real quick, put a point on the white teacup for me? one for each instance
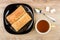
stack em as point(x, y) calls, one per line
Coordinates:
point(42, 29)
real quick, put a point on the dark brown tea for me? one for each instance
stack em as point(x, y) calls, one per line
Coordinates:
point(43, 26)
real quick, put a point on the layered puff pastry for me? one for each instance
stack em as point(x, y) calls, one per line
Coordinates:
point(14, 16)
point(21, 22)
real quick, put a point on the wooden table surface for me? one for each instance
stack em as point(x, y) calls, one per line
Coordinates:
point(54, 34)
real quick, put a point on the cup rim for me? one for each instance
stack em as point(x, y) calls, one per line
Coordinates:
point(47, 30)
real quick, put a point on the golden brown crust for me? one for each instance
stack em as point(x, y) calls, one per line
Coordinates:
point(21, 22)
point(15, 15)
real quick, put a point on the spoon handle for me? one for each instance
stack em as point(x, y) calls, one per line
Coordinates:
point(50, 18)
